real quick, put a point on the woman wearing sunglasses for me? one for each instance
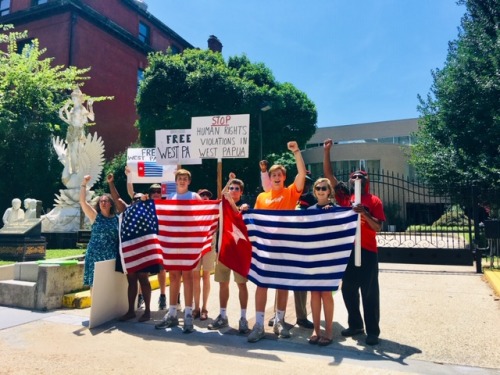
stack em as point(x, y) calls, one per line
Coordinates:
point(323, 192)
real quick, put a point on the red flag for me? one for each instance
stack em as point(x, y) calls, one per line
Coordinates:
point(236, 249)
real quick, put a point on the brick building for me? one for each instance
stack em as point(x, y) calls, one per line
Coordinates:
point(113, 37)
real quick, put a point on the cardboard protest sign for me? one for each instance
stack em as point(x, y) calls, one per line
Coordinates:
point(173, 147)
point(220, 137)
point(145, 170)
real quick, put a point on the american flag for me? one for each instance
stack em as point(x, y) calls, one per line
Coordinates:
point(186, 228)
point(149, 169)
point(301, 249)
point(140, 246)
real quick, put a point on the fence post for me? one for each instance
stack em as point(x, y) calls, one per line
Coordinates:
point(475, 214)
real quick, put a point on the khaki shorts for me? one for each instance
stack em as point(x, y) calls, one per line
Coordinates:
point(207, 261)
point(223, 274)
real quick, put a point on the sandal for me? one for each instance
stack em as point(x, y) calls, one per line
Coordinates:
point(204, 315)
point(313, 340)
point(145, 317)
point(196, 313)
point(324, 341)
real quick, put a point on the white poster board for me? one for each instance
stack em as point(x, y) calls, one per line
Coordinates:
point(173, 147)
point(145, 170)
point(220, 137)
point(109, 294)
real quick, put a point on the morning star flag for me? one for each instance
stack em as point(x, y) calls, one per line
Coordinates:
point(149, 169)
point(186, 228)
point(139, 244)
point(301, 249)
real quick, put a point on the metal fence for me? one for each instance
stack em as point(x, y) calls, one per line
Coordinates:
point(419, 217)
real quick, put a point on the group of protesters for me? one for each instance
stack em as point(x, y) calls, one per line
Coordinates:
point(303, 193)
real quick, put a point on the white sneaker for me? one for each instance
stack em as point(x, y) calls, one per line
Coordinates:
point(280, 329)
point(243, 325)
point(188, 324)
point(257, 333)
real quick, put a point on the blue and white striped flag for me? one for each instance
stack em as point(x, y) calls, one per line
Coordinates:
point(302, 249)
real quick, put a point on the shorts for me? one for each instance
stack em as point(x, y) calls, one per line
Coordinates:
point(223, 274)
point(207, 261)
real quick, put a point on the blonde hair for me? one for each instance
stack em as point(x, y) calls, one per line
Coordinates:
point(276, 167)
point(328, 185)
point(182, 172)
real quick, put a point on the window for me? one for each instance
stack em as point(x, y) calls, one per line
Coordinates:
point(140, 77)
point(26, 43)
point(4, 7)
point(39, 2)
point(143, 32)
point(343, 168)
point(174, 49)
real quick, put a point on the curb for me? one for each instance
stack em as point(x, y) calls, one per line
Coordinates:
point(493, 278)
point(83, 300)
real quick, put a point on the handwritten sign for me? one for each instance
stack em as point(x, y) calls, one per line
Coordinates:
point(220, 137)
point(173, 147)
point(144, 169)
point(141, 154)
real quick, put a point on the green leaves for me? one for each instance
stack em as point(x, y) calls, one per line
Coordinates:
point(200, 83)
point(31, 93)
point(460, 125)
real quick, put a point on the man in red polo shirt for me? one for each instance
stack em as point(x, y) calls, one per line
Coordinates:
point(365, 277)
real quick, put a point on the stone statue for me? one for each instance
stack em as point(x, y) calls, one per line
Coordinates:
point(75, 115)
point(80, 155)
point(13, 215)
point(30, 207)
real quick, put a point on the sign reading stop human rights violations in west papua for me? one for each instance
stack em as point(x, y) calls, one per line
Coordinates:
point(220, 137)
point(173, 146)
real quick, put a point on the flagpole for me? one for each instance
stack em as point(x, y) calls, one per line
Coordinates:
point(357, 240)
point(219, 178)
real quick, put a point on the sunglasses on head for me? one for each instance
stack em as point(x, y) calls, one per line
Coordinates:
point(234, 188)
point(322, 188)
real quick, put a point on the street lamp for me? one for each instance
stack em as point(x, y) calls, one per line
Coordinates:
point(265, 106)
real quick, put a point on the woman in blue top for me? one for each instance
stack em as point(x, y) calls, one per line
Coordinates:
point(103, 244)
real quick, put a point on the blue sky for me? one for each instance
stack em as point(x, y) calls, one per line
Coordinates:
point(357, 60)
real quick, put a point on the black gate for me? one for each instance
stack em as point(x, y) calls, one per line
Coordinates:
point(424, 226)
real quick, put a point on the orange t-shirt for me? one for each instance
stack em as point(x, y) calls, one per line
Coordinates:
point(284, 199)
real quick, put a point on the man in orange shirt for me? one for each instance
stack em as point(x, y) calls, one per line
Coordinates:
point(278, 198)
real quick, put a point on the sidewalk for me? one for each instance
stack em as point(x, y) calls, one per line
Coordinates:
point(434, 320)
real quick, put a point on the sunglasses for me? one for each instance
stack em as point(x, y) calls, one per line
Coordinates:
point(236, 188)
point(322, 188)
point(205, 195)
point(136, 199)
point(155, 191)
point(358, 177)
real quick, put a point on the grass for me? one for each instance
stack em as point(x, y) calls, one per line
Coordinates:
point(52, 254)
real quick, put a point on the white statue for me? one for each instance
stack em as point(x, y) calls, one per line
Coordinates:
point(80, 155)
point(75, 115)
point(30, 207)
point(13, 215)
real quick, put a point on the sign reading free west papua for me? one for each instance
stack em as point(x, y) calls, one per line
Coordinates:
point(220, 137)
point(144, 168)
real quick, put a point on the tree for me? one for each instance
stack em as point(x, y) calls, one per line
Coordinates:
point(459, 129)
point(200, 83)
point(31, 93)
